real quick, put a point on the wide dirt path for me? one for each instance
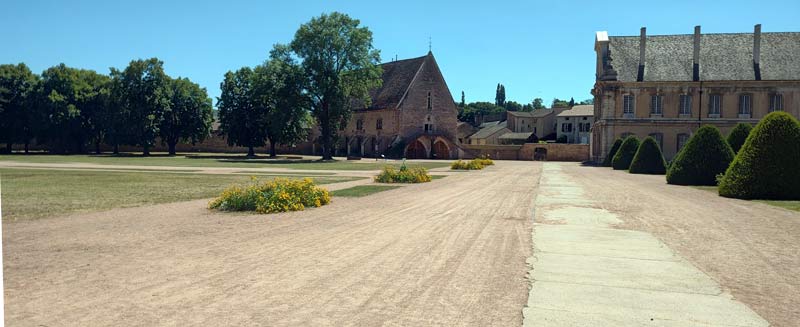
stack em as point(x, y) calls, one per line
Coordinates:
point(751, 249)
point(449, 252)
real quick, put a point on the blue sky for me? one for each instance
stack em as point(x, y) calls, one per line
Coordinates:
point(535, 48)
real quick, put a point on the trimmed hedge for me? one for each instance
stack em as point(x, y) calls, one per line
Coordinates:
point(278, 195)
point(648, 159)
point(474, 164)
point(768, 164)
point(705, 156)
point(610, 156)
point(738, 135)
point(624, 156)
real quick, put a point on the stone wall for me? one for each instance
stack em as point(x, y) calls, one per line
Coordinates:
point(556, 151)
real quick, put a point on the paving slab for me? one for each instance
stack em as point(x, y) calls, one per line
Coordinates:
point(582, 216)
point(603, 242)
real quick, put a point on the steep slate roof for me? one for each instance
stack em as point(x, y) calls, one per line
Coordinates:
point(723, 57)
point(578, 111)
point(489, 131)
point(397, 77)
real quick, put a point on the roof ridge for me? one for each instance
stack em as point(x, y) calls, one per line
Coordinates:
point(401, 60)
point(702, 34)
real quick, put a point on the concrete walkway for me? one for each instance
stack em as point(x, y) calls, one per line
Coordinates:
point(584, 272)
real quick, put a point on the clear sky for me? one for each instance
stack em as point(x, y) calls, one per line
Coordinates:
point(535, 48)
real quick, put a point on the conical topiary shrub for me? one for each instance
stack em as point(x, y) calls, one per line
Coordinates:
point(768, 164)
point(738, 135)
point(610, 156)
point(648, 159)
point(705, 156)
point(624, 156)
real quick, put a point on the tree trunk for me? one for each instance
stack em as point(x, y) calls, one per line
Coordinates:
point(9, 146)
point(146, 150)
point(97, 147)
point(250, 152)
point(325, 123)
point(272, 153)
point(116, 148)
point(172, 147)
point(27, 143)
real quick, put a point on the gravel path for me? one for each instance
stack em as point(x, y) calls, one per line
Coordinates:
point(450, 252)
point(751, 249)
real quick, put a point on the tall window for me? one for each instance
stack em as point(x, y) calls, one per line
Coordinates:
point(627, 104)
point(775, 102)
point(686, 104)
point(659, 139)
point(430, 105)
point(745, 104)
point(714, 104)
point(566, 127)
point(682, 139)
point(359, 124)
point(656, 102)
point(379, 124)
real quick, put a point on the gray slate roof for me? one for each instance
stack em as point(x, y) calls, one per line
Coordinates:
point(578, 111)
point(722, 57)
point(489, 131)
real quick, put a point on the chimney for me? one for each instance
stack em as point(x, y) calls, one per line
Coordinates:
point(757, 51)
point(696, 55)
point(642, 47)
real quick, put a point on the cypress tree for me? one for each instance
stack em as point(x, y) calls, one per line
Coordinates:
point(705, 156)
point(610, 156)
point(624, 156)
point(738, 135)
point(648, 159)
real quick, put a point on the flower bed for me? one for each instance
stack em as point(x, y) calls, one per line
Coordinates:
point(278, 195)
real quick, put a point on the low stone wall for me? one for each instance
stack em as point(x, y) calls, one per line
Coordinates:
point(555, 152)
point(500, 152)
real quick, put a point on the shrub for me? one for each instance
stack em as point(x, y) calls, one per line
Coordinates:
point(485, 160)
point(738, 135)
point(624, 156)
point(648, 159)
point(705, 156)
point(403, 175)
point(474, 164)
point(561, 139)
point(610, 156)
point(768, 163)
point(278, 195)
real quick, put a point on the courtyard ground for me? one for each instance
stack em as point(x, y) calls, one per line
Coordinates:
point(449, 252)
point(698, 254)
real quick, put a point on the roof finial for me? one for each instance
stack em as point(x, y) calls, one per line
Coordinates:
point(429, 44)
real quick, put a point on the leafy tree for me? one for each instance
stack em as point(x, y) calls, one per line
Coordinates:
point(97, 109)
point(469, 112)
point(341, 66)
point(558, 103)
point(240, 120)
point(571, 102)
point(538, 103)
point(587, 101)
point(612, 152)
point(512, 106)
point(462, 104)
point(279, 93)
point(767, 164)
point(648, 159)
point(188, 117)
point(738, 135)
point(624, 156)
point(500, 95)
point(145, 94)
point(19, 114)
point(702, 158)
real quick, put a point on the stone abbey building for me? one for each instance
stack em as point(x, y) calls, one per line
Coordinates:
point(412, 115)
point(667, 86)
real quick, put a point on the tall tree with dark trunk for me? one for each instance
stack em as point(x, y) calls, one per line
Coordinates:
point(189, 116)
point(279, 93)
point(145, 94)
point(341, 66)
point(19, 114)
point(97, 109)
point(241, 121)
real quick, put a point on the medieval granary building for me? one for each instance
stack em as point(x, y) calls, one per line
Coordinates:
point(412, 115)
point(667, 86)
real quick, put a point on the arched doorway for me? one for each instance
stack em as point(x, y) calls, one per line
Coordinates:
point(416, 150)
point(540, 154)
point(440, 150)
point(369, 147)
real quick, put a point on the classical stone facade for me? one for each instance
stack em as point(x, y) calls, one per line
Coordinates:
point(412, 115)
point(667, 86)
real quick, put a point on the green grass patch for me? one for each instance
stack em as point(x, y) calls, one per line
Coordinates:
point(37, 193)
point(786, 204)
point(363, 190)
point(235, 161)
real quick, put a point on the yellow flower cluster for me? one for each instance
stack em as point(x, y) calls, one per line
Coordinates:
point(474, 164)
point(404, 175)
point(278, 195)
